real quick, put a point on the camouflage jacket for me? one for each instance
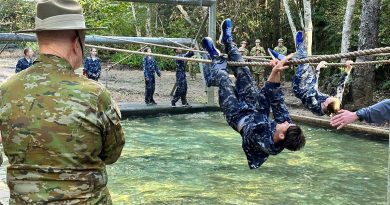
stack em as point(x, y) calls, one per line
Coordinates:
point(282, 50)
point(59, 131)
point(261, 49)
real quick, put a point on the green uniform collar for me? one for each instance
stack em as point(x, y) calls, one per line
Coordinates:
point(57, 62)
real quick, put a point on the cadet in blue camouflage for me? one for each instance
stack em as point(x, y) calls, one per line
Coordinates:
point(92, 67)
point(247, 107)
point(305, 84)
point(26, 61)
point(150, 68)
point(181, 80)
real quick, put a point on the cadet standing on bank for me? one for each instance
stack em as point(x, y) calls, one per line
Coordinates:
point(281, 48)
point(59, 129)
point(150, 68)
point(181, 79)
point(26, 61)
point(193, 68)
point(258, 47)
point(92, 67)
point(243, 48)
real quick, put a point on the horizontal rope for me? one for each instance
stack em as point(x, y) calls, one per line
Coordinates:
point(267, 64)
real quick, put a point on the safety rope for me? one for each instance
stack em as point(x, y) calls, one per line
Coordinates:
point(312, 60)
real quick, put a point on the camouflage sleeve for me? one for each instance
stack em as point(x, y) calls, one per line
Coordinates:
point(112, 136)
point(341, 85)
point(276, 97)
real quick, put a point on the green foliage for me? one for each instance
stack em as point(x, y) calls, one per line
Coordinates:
point(386, 85)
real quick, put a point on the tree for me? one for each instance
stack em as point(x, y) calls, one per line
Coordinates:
point(346, 34)
point(308, 26)
point(363, 83)
point(289, 17)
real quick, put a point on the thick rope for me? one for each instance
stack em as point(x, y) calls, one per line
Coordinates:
point(339, 56)
point(291, 62)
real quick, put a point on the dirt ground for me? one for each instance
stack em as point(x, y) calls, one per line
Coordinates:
point(128, 86)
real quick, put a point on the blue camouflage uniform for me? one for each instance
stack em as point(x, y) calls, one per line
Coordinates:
point(305, 87)
point(150, 68)
point(92, 68)
point(23, 64)
point(247, 109)
point(181, 80)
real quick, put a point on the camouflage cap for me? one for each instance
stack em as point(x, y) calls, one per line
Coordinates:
point(58, 15)
point(280, 40)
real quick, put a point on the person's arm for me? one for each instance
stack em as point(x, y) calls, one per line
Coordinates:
point(112, 134)
point(18, 66)
point(343, 80)
point(144, 65)
point(322, 64)
point(378, 113)
point(189, 54)
point(99, 69)
point(157, 68)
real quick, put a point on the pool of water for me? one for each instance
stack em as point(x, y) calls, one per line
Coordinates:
point(197, 159)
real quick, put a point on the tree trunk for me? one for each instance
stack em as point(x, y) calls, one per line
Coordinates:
point(138, 31)
point(346, 35)
point(276, 21)
point(363, 83)
point(308, 26)
point(148, 25)
point(289, 17)
point(185, 14)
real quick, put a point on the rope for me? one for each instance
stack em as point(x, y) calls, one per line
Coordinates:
point(268, 64)
point(1, 51)
point(340, 55)
point(120, 61)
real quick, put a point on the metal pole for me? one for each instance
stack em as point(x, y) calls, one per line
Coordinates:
point(212, 35)
point(93, 39)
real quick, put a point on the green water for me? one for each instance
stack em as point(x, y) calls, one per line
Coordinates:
point(197, 159)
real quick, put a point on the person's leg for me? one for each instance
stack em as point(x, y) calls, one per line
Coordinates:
point(302, 80)
point(246, 87)
point(152, 89)
point(184, 95)
point(147, 92)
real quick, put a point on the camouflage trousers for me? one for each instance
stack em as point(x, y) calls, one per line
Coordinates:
point(247, 107)
point(149, 90)
point(181, 92)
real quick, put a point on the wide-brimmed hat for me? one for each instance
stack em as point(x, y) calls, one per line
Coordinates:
point(257, 41)
point(280, 40)
point(58, 15)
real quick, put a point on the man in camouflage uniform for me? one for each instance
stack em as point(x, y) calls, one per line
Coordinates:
point(193, 68)
point(150, 68)
point(181, 80)
point(257, 47)
point(243, 48)
point(247, 108)
point(59, 128)
point(258, 71)
point(281, 48)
